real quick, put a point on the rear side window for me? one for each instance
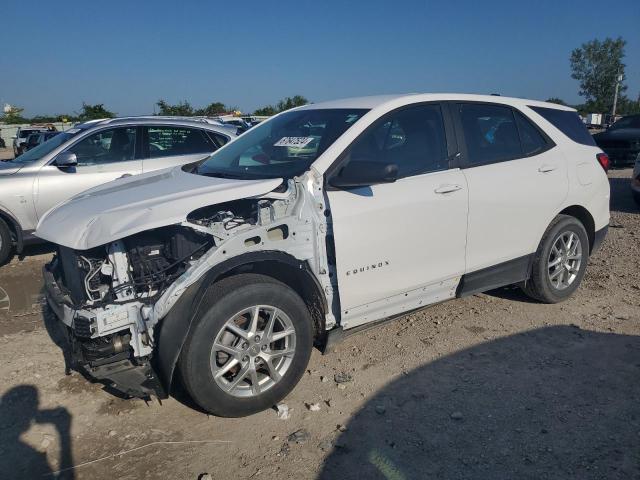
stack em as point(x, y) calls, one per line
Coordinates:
point(170, 141)
point(530, 137)
point(490, 133)
point(568, 123)
point(219, 139)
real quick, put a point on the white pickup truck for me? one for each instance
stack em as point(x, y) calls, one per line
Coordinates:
point(318, 221)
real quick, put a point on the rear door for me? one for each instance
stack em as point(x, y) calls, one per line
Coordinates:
point(400, 245)
point(102, 156)
point(167, 146)
point(517, 180)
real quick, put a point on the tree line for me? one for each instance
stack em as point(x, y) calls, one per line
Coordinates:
point(180, 109)
point(596, 65)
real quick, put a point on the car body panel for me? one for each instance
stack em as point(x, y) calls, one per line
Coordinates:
point(31, 189)
point(386, 234)
point(134, 204)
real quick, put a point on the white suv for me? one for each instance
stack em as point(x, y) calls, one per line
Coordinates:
point(320, 220)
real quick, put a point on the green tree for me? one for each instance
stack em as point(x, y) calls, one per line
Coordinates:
point(288, 103)
point(556, 100)
point(284, 104)
point(13, 115)
point(266, 111)
point(211, 110)
point(596, 64)
point(182, 109)
point(94, 112)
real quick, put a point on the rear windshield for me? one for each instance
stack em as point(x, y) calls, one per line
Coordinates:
point(25, 133)
point(568, 123)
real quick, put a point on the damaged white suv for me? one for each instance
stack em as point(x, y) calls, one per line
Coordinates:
point(323, 219)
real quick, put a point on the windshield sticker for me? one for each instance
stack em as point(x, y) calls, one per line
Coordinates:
point(298, 142)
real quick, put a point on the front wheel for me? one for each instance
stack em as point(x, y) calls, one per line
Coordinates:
point(248, 347)
point(560, 262)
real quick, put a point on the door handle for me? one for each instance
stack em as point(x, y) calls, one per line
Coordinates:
point(546, 168)
point(125, 175)
point(447, 188)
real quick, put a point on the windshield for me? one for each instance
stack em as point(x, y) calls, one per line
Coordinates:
point(627, 122)
point(282, 147)
point(41, 150)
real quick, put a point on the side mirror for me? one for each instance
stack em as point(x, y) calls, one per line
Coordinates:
point(66, 160)
point(364, 174)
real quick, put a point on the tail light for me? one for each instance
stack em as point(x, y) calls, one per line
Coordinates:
point(603, 160)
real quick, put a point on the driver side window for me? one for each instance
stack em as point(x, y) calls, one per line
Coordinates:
point(412, 138)
point(106, 146)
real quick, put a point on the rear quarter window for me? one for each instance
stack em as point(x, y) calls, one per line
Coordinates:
point(568, 123)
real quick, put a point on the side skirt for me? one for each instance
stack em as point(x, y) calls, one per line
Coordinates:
point(507, 273)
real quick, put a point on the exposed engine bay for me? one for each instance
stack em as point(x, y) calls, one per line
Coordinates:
point(112, 297)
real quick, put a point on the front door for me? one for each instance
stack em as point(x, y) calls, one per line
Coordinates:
point(400, 245)
point(102, 157)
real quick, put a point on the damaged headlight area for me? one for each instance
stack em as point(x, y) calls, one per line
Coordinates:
point(106, 296)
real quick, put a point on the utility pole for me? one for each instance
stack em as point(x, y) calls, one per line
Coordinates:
point(615, 96)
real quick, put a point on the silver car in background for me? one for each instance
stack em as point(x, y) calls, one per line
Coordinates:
point(91, 154)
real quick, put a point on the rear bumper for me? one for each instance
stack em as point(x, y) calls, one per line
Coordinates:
point(118, 370)
point(598, 239)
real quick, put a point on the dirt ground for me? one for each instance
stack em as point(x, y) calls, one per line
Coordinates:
point(493, 386)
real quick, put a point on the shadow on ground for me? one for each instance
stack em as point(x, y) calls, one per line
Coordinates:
point(554, 403)
point(19, 411)
point(621, 197)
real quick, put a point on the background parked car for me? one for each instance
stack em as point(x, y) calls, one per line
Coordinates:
point(622, 141)
point(20, 140)
point(635, 182)
point(36, 139)
point(91, 154)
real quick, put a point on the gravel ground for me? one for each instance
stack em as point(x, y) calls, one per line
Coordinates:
point(490, 387)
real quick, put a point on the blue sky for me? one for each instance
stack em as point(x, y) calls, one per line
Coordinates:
point(128, 54)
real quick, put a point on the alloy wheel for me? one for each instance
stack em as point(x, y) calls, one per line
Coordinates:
point(253, 351)
point(565, 259)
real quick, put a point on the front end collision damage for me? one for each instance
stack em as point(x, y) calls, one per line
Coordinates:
point(128, 305)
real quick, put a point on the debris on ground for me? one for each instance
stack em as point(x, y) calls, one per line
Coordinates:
point(282, 409)
point(342, 377)
point(299, 437)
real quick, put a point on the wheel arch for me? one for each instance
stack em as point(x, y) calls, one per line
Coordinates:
point(173, 329)
point(583, 216)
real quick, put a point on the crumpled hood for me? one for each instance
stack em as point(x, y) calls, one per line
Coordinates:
point(130, 205)
point(8, 168)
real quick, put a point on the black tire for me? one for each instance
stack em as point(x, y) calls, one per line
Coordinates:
point(539, 286)
point(224, 300)
point(636, 197)
point(6, 242)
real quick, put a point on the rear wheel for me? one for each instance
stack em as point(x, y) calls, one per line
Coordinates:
point(248, 347)
point(6, 243)
point(636, 197)
point(560, 262)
